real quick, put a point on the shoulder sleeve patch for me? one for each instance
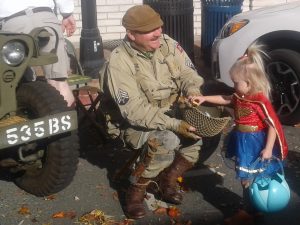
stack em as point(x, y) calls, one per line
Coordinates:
point(178, 46)
point(189, 63)
point(122, 97)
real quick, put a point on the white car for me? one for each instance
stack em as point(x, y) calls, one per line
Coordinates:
point(278, 28)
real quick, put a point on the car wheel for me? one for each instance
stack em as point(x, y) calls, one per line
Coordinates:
point(283, 68)
point(57, 164)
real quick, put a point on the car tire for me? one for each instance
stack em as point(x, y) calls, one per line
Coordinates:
point(283, 68)
point(58, 164)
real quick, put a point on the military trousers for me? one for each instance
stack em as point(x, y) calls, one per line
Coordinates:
point(160, 147)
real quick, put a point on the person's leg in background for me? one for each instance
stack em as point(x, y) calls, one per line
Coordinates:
point(64, 89)
point(57, 73)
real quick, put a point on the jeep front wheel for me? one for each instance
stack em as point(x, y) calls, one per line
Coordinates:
point(56, 167)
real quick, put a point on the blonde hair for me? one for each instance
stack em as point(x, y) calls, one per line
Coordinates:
point(251, 68)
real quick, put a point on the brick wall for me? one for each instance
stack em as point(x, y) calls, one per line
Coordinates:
point(110, 13)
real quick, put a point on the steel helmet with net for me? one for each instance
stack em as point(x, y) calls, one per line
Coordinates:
point(208, 120)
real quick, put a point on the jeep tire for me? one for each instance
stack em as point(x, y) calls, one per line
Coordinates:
point(59, 162)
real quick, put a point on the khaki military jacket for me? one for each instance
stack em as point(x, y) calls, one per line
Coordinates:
point(139, 85)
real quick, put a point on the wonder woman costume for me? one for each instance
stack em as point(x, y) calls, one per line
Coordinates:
point(253, 115)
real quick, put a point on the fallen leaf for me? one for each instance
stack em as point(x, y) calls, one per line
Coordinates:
point(179, 179)
point(116, 196)
point(96, 217)
point(161, 211)
point(221, 174)
point(24, 210)
point(173, 212)
point(152, 203)
point(62, 214)
point(70, 214)
point(50, 197)
point(58, 215)
point(21, 222)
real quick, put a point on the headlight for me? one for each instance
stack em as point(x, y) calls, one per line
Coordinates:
point(232, 27)
point(13, 53)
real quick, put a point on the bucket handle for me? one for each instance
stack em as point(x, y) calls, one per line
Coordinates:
point(272, 158)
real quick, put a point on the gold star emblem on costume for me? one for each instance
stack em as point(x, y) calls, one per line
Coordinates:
point(241, 112)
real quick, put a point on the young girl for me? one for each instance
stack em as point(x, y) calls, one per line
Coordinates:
point(258, 132)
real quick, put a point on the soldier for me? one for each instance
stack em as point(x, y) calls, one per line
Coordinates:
point(144, 77)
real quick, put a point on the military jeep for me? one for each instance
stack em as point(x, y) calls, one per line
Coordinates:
point(38, 140)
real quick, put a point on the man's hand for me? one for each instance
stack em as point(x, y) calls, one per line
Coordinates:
point(186, 130)
point(69, 25)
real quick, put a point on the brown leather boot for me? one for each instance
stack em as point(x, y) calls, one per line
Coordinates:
point(135, 194)
point(168, 179)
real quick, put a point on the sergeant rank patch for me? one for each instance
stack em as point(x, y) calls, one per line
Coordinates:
point(122, 97)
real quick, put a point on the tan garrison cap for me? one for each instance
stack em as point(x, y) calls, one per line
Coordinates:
point(141, 18)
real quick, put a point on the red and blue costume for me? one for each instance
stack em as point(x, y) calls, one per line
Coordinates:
point(253, 115)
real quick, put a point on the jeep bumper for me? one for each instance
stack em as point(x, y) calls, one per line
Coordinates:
point(31, 130)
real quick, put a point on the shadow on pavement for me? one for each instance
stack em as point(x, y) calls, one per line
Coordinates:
point(292, 172)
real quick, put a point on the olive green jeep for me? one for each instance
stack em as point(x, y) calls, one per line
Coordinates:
point(38, 132)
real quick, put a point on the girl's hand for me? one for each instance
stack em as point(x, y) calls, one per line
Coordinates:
point(196, 100)
point(266, 154)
